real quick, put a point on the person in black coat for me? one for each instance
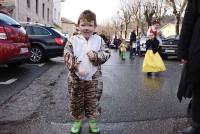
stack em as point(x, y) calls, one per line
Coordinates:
point(132, 44)
point(189, 53)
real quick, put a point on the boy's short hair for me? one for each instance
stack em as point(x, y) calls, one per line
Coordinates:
point(89, 16)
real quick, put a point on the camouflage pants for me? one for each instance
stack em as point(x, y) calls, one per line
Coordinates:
point(99, 82)
point(83, 98)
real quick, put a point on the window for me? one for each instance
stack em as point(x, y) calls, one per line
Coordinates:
point(28, 3)
point(28, 30)
point(40, 31)
point(28, 19)
point(47, 14)
point(55, 14)
point(59, 16)
point(43, 6)
point(36, 8)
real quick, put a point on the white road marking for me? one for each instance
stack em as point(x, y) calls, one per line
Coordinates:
point(42, 64)
point(58, 59)
point(8, 82)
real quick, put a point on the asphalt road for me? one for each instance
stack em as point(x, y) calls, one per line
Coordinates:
point(13, 80)
point(131, 101)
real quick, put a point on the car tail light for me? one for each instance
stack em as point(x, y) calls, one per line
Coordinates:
point(59, 41)
point(2, 33)
point(16, 34)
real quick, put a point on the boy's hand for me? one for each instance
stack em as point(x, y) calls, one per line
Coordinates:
point(68, 60)
point(82, 72)
point(91, 54)
point(71, 61)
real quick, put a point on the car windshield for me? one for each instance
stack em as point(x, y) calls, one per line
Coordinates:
point(8, 20)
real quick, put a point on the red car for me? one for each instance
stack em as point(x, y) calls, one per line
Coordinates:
point(14, 45)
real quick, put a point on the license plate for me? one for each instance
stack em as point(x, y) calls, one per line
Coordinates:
point(170, 51)
point(23, 50)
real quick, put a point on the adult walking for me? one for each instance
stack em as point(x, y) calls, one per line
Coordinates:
point(132, 43)
point(116, 41)
point(189, 46)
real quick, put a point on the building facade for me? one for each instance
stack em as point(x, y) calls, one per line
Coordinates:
point(34, 11)
point(57, 12)
point(169, 29)
point(68, 27)
point(42, 11)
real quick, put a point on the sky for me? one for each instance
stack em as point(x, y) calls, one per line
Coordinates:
point(104, 9)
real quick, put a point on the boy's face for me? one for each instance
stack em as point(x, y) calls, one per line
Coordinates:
point(86, 28)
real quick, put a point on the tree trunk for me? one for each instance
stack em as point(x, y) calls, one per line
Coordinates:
point(177, 23)
point(137, 28)
point(126, 28)
point(143, 28)
point(149, 23)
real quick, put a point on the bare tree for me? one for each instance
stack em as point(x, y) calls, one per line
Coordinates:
point(136, 12)
point(161, 9)
point(106, 29)
point(125, 15)
point(178, 7)
point(149, 11)
point(156, 8)
point(116, 22)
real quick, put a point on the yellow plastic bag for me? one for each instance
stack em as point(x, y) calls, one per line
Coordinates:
point(153, 62)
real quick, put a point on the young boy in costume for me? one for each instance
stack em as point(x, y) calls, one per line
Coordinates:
point(83, 55)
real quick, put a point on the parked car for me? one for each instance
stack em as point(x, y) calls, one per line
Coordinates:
point(66, 35)
point(169, 46)
point(112, 45)
point(46, 42)
point(14, 46)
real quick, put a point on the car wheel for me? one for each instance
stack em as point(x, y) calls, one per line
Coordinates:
point(37, 54)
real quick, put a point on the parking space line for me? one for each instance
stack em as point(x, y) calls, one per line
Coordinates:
point(42, 64)
point(58, 59)
point(8, 82)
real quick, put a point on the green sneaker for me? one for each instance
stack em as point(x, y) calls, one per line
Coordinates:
point(76, 128)
point(93, 126)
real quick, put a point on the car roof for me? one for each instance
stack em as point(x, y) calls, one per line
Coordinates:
point(32, 24)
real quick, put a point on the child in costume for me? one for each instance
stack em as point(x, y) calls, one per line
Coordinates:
point(83, 54)
point(122, 49)
point(152, 60)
